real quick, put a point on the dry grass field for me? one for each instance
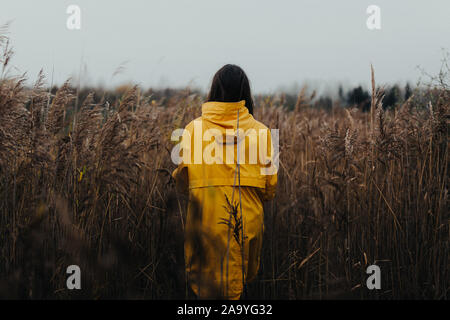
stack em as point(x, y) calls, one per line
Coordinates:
point(88, 183)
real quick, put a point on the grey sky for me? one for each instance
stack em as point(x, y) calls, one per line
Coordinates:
point(181, 42)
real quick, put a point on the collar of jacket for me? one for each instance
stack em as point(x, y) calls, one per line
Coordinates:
point(217, 111)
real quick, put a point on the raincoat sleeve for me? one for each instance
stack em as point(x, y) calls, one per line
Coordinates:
point(271, 171)
point(271, 185)
point(180, 174)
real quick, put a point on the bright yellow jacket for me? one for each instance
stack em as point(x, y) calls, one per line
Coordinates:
point(214, 249)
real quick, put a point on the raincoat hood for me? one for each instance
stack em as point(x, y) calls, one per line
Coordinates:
point(225, 113)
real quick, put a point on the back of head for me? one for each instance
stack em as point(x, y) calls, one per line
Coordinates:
point(230, 84)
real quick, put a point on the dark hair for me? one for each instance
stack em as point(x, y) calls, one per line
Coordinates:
point(230, 84)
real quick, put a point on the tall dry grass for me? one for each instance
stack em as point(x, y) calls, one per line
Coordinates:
point(90, 185)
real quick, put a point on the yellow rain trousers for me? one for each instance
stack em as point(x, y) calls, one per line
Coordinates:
point(218, 262)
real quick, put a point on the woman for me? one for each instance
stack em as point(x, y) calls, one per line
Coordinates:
point(226, 188)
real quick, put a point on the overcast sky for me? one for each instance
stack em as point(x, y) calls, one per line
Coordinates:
point(183, 42)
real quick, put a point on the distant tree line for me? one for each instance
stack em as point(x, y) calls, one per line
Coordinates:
point(354, 97)
point(360, 98)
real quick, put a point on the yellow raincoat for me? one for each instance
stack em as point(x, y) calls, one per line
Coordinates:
point(213, 245)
